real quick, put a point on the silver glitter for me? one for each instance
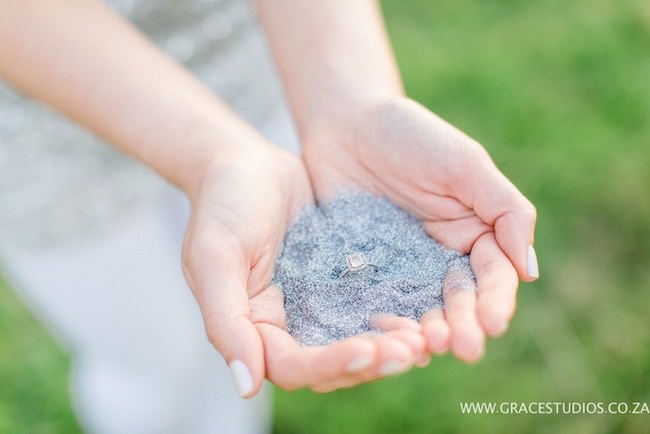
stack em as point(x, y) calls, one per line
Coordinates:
point(321, 307)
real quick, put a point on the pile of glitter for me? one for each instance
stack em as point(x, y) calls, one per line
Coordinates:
point(321, 305)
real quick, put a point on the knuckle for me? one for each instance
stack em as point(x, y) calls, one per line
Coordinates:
point(525, 210)
point(216, 248)
point(530, 211)
point(214, 331)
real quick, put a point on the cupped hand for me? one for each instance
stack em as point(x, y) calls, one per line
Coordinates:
point(399, 149)
point(239, 217)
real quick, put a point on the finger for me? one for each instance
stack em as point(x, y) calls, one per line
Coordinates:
point(407, 330)
point(412, 338)
point(229, 328)
point(268, 306)
point(397, 350)
point(499, 203)
point(514, 233)
point(436, 331)
point(395, 355)
point(292, 366)
point(457, 233)
point(387, 322)
point(344, 363)
point(422, 361)
point(497, 285)
point(467, 340)
point(216, 270)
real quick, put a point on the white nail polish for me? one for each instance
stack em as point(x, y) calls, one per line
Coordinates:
point(393, 367)
point(242, 377)
point(358, 364)
point(533, 270)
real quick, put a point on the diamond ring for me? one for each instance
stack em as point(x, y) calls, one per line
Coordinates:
point(356, 262)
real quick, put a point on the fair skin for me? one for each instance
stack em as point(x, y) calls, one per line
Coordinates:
point(244, 191)
point(359, 131)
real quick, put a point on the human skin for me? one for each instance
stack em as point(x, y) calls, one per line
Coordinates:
point(84, 60)
point(359, 130)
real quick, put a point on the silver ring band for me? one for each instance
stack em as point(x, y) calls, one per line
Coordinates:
point(355, 262)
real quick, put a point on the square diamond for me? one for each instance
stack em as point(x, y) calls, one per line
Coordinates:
point(357, 261)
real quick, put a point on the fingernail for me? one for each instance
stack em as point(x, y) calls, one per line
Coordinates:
point(242, 377)
point(502, 329)
point(393, 367)
point(481, 354)
point(358, 364)
point(533, 270)
point(477, 357)
point(422, 361)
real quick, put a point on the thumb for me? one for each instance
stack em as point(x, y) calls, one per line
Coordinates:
point(236, 338)
point(218, 278)
point(499, 203)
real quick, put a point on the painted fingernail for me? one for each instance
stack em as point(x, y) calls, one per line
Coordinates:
point(393, 367)
point(242, 377)
point(533, 270)
point(358, 364)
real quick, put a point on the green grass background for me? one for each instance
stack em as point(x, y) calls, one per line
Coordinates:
point(559, 93)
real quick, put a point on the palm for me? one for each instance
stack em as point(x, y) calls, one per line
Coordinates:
point(234, 236)
point(412, 157)
point(402, 151)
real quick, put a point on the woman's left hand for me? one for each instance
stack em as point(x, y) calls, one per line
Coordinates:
point(399, 149)
point(240, 213)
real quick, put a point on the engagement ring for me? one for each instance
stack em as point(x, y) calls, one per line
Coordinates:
point(356, 262)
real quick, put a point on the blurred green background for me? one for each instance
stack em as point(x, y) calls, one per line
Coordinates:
point(559, 93)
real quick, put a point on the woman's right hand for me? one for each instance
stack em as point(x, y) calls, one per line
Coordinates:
point(240, 213)
point(105, 75)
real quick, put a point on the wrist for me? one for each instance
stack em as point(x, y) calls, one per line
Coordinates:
point(335, 58)
point(255, 162)
point(212, 145)
point(341, 125)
